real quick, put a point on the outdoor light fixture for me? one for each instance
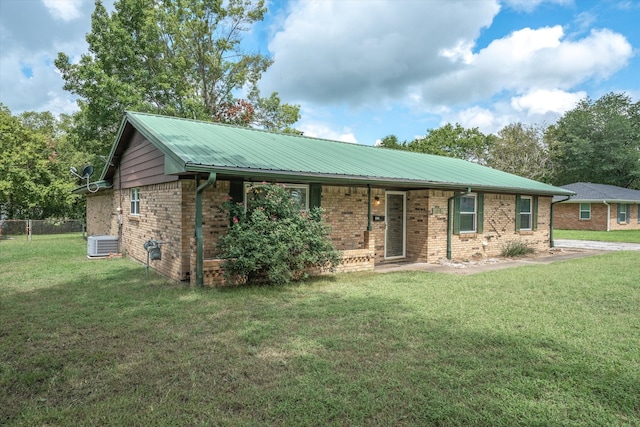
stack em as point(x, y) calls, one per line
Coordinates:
point(376, 200)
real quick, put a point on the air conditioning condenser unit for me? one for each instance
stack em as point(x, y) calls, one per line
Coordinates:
point(102, 245)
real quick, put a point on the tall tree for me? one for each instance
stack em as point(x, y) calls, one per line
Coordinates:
point(598, 141)
point(181, 58)
point(34, 168)
point(521, 150)
point(448, 140)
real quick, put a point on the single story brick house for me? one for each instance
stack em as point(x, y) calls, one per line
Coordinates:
point(598, 207)
point(167, 177)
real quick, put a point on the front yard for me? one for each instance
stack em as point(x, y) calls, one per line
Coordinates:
point(620, 236)
point(95, 343)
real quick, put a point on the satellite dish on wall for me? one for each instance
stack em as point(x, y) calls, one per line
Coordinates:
point(87, 171)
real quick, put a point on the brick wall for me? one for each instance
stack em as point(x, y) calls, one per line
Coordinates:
point(633, 223)
point(167, 213)
point(102, 218)
point(566, 216)
point(160, 219)
point(498, 228)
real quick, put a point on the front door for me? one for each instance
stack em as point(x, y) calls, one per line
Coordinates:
point(395, 235)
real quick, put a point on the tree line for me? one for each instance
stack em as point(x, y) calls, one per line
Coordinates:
point(186, 59)
point(597, 141)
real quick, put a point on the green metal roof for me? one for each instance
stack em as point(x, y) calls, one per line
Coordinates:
point(195, 146)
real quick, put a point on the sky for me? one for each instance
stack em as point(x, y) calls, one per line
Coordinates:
point(364, 69)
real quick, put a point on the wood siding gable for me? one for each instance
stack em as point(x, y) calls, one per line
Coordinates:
point(141, 164)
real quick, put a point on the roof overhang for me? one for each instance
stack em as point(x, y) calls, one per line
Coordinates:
point(608, 201)
point(92, 187)
point(359, 180)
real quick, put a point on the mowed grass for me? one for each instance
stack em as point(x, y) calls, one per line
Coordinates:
point(95, 343)
point(620, 236)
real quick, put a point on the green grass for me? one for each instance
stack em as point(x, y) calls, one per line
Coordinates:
point(95, 343)
point(624, 236)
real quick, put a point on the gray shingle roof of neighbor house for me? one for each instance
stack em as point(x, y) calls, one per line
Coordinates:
point(589, 192)
point(192, 146)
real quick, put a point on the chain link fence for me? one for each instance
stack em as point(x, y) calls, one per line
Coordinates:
point(10, 228)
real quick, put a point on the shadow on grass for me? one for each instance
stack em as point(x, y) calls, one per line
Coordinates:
point(119, 349)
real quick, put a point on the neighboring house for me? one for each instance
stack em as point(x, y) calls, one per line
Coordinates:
point(166, 179)
point(598, 207)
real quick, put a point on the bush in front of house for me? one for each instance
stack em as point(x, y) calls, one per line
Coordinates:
point(273, 241)
point(516, 248)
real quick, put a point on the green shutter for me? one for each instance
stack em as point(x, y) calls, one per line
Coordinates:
point(518, 212)
point(456, 214)
point(315, 195)
point(534, 214)
point(480, 225)
point(236, 191)
point(628, 213)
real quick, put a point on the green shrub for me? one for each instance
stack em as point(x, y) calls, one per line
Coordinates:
point(273, 241)
point(516, 248)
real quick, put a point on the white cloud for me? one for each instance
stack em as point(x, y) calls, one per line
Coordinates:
point(65, 10)
point(543, 101)
point(530, 5)
point(320, 130)
point(531, 59)
point(365, 52)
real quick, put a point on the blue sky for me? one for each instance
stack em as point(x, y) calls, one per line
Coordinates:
point(364, 69)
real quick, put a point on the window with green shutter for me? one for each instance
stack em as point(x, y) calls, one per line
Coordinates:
point(468, 214)
point(526, 213)
point(623, 213)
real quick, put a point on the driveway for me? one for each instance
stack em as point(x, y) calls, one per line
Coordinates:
point(597, 246)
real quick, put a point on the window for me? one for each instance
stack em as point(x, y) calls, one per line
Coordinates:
point(639, 213)
point(526, 213)
point(585, 210)
point(623, 213)
point(134, 197)
point(300, 193)
point(468, 213)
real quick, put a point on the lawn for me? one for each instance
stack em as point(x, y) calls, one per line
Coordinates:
point(620, 236)
point(96, 343)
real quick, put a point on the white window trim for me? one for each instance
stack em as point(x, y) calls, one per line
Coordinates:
point(530, 213)
point(249, 185)
point(623, 207)
point(134, 201)
point(475, 214)
point(580, 211)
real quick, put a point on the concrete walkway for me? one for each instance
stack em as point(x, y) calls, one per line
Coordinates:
point(563, 250)
point(597, 246)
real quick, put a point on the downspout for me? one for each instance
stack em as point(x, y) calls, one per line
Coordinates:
point(450, 219)
point(551, 242)
point(608, 215)
point(199, 240)
point(369, 227)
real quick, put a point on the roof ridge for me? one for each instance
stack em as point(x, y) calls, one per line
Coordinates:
point(293, 135)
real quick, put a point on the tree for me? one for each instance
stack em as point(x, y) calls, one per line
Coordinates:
point(448, 140)
point(273, 241)
point(34, 176)
point(598, 141)
point(179, 58)
point(391, 141)
point(521, 150)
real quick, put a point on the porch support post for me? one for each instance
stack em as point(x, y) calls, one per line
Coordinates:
point(199, 239)
point(369, 227)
